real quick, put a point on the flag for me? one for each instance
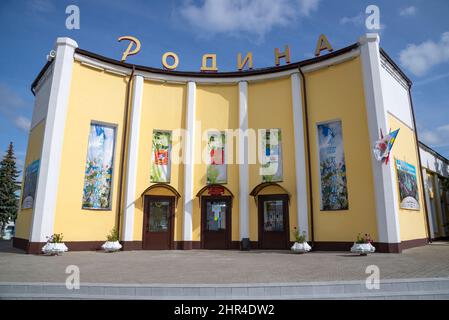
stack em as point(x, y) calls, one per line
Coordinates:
point(383, 147)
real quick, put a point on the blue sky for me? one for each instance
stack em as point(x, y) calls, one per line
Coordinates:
point(415, 33)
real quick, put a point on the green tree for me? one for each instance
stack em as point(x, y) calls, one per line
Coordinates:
point(9, 200)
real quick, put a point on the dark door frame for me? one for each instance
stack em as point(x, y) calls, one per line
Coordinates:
point(147, 200)
point(261, 199)
point(228, 200)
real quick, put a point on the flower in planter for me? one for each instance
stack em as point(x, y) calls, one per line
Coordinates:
point(54, 245)
point(112, 244)
point(301, 245)
point(363, 245)
point(300, 238)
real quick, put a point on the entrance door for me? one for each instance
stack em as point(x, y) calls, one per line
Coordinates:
point(216, 223)
point(273, 222)
point(158, 223)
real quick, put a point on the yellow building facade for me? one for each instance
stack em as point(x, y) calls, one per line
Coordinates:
point(200, 160)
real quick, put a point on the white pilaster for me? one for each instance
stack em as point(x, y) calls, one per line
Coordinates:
point(189, 147)
point(439, 208)
point(244, 165)
point(302, 209)
point(133, 151)
point(429, 206)
point(47, 186)
point(384, 176)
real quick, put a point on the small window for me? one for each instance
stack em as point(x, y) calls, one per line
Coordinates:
point(273, 213)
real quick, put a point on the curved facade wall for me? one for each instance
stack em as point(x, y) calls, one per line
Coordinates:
point(335, 91)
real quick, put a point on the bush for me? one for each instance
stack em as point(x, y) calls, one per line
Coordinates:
point(363, 238)
point(55, 238)
point(300, 238)
point(113, 235)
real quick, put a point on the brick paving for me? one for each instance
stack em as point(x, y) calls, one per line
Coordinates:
point(221, 267)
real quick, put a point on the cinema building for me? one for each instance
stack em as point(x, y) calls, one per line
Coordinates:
point(102, 148)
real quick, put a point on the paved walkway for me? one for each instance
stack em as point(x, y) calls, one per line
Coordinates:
point(221, 267)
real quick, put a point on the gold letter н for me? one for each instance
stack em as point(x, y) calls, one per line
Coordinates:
point(278, 55)
point(128, 51)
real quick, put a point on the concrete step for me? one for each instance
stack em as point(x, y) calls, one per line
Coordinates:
point(432, 288)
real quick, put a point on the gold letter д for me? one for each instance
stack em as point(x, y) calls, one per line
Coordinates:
point(128, 51)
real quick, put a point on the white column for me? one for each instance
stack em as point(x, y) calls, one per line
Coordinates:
point(47, 186)
point(302, 209)
point(243, 165)
point(439, 208)
point(133, 151)
point(189, 147)
point(384, 176)
point(429, 206)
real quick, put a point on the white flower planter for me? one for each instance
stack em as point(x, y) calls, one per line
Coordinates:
point(301, 247)
point(54, 248)
point(111, 246)
point(363, 248)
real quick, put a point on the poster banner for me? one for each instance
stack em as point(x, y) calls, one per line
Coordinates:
point(161, 162)
point(99, 167)
point(408, 185)
point(334, 193)
point(216, 164)
point(29, 188)
point(271, 146)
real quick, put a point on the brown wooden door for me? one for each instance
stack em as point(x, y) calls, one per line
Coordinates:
point(158, 223)
point(216, 222)
point(273, 222)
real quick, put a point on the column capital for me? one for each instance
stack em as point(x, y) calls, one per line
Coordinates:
point(64, 41)
point(369, 37)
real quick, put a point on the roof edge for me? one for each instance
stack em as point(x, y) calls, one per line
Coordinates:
point(199, 74)
point(396, 67)
point(432, 151)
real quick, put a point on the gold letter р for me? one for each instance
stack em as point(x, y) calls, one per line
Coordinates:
point(128, 51)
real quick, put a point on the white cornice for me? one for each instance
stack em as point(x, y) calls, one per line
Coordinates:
point(149, 76)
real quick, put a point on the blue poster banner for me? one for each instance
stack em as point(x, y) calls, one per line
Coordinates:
point(99, 162)
point(334, 193)
point(408, 185)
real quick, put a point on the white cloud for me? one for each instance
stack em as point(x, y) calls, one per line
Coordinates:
point(419, 59)
point(437, 137)
point(9, 99)
point(431, 79)
point(42, 6)
point(356, 20)
point(10, 104)
point(409, 11)
point(248, 17)
point(23, 123)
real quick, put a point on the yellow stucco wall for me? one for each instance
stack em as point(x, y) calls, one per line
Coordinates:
point(34, 150)
point(163, 108)
point(412, 223)
point(217, 108)
point(94, 96)
point(336, 93)
point(270, 107)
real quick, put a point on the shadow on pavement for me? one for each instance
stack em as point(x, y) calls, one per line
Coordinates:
point(6, 247)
